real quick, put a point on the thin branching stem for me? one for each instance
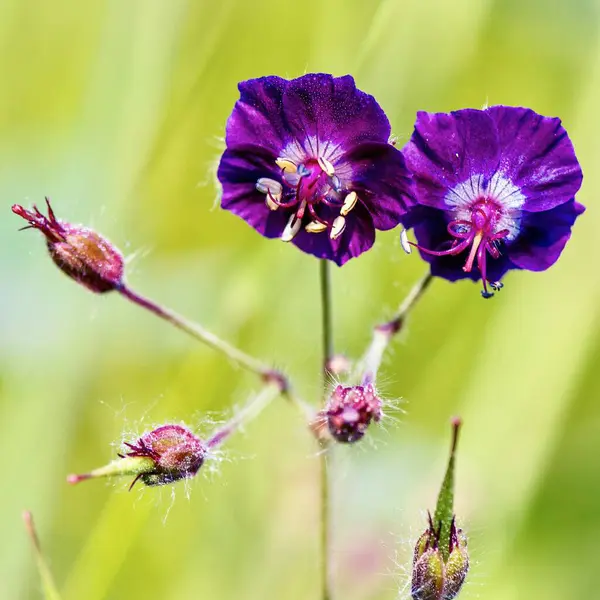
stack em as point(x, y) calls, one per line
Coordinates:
point(385, 332)
point(264, 371)
point(244, 415)
point(198, 332)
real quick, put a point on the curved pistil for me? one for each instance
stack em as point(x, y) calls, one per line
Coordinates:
point(478, 233)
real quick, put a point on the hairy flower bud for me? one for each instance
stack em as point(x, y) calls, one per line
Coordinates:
point(78, 251)
point(350, 411)
point(161, 456)
point(434, 576)
point(441, 560)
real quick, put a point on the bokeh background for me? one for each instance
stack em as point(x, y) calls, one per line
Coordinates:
point(116, 110)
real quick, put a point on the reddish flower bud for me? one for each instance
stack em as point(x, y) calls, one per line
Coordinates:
point(161, 456)
point(177, 454)
point(350, 411)
point(78, 251)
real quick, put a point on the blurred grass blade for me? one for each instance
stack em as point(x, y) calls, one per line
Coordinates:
point(48, 585)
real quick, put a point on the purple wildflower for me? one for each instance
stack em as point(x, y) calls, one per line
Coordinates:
point(495, 191)
point(309, 161)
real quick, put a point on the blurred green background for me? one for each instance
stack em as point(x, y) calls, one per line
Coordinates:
point(116, 110)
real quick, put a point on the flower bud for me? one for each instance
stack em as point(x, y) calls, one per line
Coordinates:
point(161, 456)
point(78, 251)
point(441, 560)
point(434, 576)
point(350, 411)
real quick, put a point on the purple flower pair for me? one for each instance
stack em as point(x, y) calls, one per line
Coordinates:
point(310, 161)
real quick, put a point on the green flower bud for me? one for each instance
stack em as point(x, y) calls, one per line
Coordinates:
point(436, 578)
point(441, 560)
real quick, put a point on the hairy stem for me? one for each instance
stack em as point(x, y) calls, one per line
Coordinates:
point(248, 412)
point(200, 333)
point(385, 332)
point(327, 335)
point(266, 373)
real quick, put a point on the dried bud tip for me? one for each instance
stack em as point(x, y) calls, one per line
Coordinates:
point(78, 251)
point(350, 411)
point(456, 423)
point(74, 479)
point(30, 528)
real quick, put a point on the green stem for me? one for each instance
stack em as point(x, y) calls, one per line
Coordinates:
point(48, 585)
point(327, 329)
point(200, 333)
point(385, 332)
point(264, 371)
point(327, 339)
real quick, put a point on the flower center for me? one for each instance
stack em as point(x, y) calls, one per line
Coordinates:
point(480, 232)
point(307, 185)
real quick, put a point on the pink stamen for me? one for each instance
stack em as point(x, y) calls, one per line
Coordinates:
point(476, 242)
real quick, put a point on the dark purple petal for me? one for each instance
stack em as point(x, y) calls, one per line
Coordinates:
point(447, 149)
point(238, 173)
point(334, 110)
point(543, 236)
point(258, 120)
point(382, 182)
point(537, 156)
point(430, 227)
point(358, 237)
point(273, 112)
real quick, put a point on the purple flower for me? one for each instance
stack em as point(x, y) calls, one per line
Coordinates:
point(309, 161)
point(495, 191)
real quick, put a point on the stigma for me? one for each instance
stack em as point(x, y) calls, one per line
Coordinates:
point(306, 186)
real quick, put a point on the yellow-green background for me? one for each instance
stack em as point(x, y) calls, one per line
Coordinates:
point(116, 110)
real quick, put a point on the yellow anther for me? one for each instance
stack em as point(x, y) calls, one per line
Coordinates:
point(287, 166)
point(326, 166)
point(339, 224)
point(291, 229)
point(315, 227)
point(349, 203)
